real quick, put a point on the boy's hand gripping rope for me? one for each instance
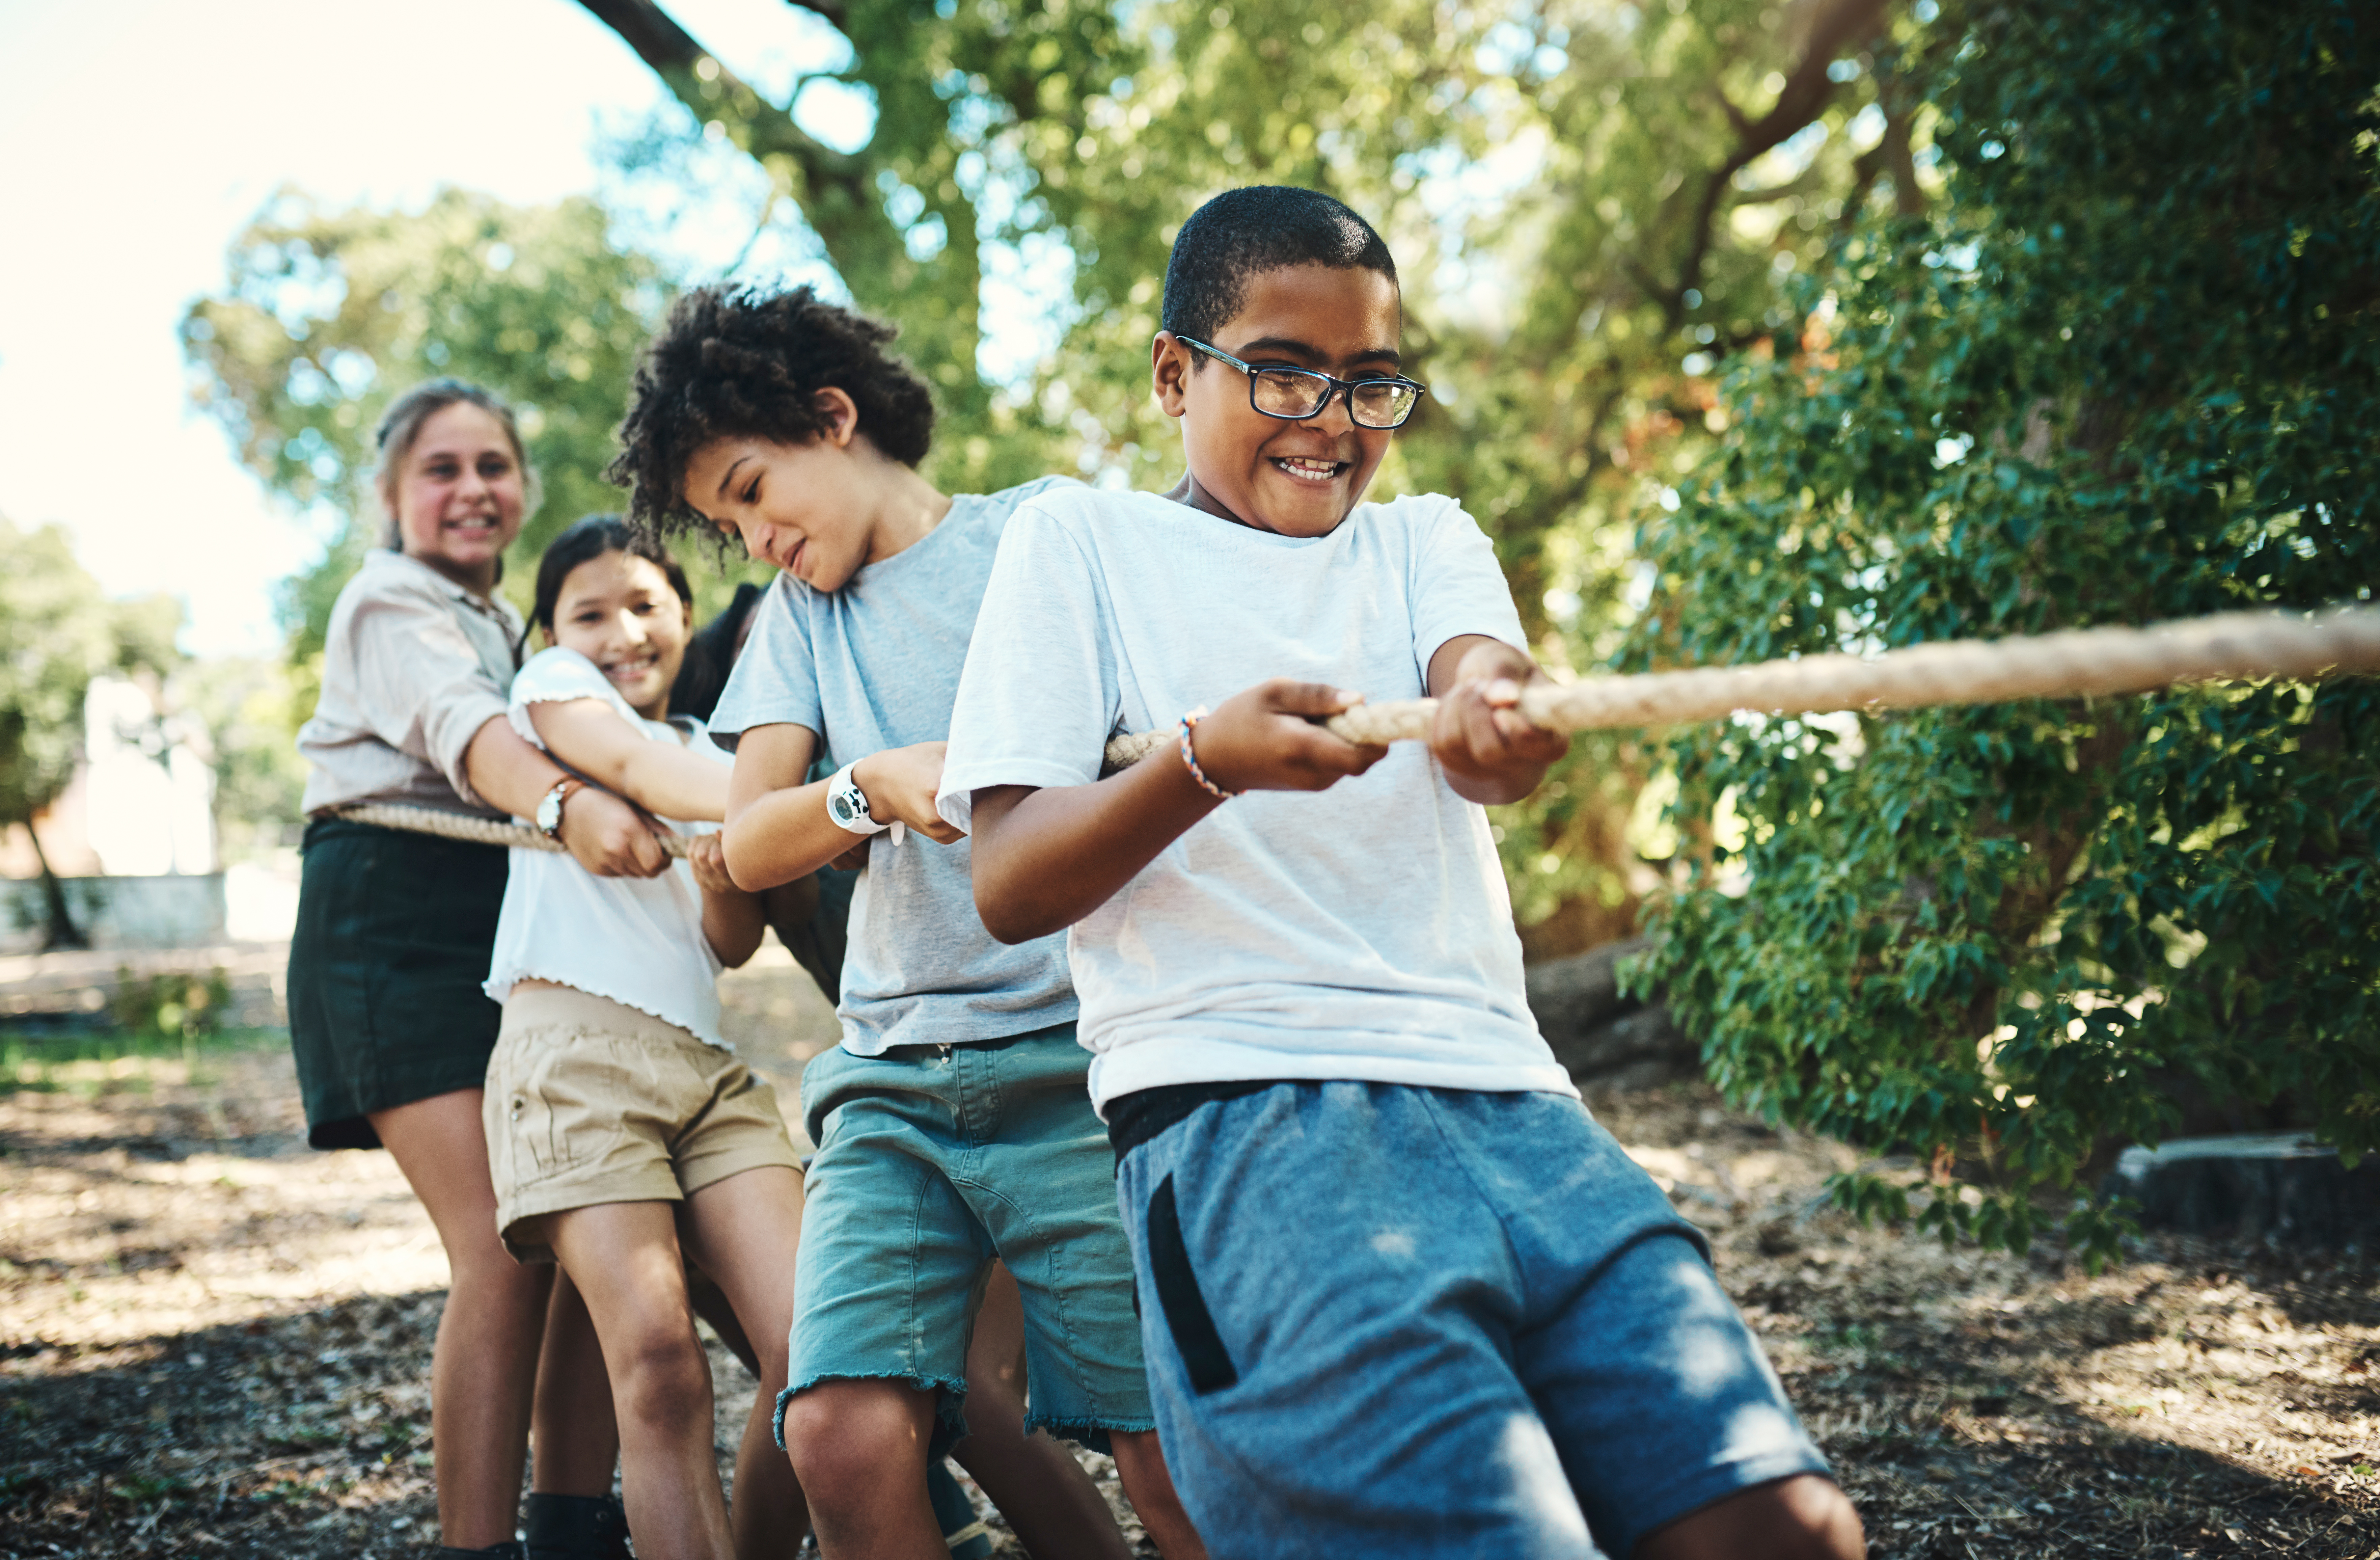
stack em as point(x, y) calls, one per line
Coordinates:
point(2065, 666)
point(2081, 662)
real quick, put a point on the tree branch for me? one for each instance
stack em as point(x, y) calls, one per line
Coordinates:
point(1838, 25)
point(760, 127)
point(835, 12)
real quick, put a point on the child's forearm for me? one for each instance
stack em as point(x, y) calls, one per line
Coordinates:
point(672, 783)
point(733, 924)
point(784, 835)
point(1045, 858)
point(663, 778)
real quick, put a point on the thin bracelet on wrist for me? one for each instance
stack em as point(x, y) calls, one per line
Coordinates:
point(1189, 724)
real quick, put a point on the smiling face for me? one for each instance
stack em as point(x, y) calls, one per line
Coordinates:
point(460, 495)
point(621, 612)
point(811, 509)
point(1297, 478)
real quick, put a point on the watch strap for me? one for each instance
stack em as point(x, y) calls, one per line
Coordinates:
point(847, 804)
point(563, 789)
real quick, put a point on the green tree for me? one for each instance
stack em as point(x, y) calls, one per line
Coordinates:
point(1591, 206)
point(2125, 371)
point(249, 708)
point(327, 314)
point(57, 632)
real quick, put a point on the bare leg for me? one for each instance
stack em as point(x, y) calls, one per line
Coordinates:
point(710, 1304)
point(624, 1258)
point(484, 1367)
point(860, 1449)
point(744, 1231)
point(1804, 1517)
point(1140, 1463)
point(574, 1440)
point(1048, 1499)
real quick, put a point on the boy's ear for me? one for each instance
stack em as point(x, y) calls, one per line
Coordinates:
point(1169, 365)
point(842, 414)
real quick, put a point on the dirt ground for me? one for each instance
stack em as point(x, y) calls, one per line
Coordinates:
point(215, 1342)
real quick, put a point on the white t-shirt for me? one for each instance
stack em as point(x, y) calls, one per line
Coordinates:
point(637, 940)
point(1359, 932)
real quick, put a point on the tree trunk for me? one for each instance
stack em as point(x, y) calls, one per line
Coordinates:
point(62, 932)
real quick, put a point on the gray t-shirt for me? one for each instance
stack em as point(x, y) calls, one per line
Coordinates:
point(876, 665)
point(1359, 932)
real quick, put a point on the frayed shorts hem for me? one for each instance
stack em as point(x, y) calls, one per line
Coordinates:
point(950, 1401)
point(1093, 1433)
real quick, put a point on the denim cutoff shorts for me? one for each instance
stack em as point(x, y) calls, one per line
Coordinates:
point(1392, 1320)
point(931, 1161)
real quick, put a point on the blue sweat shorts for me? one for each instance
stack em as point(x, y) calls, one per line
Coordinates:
point(1390, 1321)
point(930, 1163)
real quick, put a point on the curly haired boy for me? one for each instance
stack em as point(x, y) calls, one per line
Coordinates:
point(954, 1121)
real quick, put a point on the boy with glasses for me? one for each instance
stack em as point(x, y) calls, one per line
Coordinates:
point(1399, 1294)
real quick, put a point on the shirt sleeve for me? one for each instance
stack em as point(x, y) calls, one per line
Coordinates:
point(1039, 693)
point(424, 690)
point(775, 679)
point(558, 676)
point(1457, 586)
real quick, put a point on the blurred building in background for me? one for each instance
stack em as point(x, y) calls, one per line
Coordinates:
point(133, 837)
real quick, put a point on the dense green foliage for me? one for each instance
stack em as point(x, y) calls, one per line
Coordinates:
point(2127, 369)
point(326, 316)
point(1583, 198)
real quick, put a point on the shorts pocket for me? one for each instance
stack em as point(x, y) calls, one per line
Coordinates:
point(1204, 1357)
point(545, 1125)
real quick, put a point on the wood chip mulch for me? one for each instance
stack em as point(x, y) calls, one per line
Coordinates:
point(214, 1342)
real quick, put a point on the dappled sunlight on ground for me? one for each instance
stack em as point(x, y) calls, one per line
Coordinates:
point(213, 1340)
point(2199, 1400)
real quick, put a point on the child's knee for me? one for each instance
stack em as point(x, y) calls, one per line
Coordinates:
point(658, 1370)
point(845, 1436)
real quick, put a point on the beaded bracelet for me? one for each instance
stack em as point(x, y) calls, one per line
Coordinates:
point(1189, 724)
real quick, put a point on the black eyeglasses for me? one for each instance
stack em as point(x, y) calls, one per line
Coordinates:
point(1295, 394)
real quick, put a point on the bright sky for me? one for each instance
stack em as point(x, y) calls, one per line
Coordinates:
point(137, 137)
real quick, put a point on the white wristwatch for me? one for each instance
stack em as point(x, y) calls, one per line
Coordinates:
point(848, 805)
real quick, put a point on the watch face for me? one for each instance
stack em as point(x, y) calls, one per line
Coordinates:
point(845, 810)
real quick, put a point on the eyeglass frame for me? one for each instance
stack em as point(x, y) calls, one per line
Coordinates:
point(1337, 388)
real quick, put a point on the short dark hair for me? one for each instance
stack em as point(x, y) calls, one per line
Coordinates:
point(1262, 227)
point(735, 362)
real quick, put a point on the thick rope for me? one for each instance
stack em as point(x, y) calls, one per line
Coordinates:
point(2081, 662)
point(464, 826)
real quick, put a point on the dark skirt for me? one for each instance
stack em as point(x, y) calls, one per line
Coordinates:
point(393, 934)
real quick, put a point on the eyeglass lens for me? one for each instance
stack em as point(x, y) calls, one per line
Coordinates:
point(1290, 393)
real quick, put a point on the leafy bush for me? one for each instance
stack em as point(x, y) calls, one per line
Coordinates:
point(2126, 369)
point(176, 1007)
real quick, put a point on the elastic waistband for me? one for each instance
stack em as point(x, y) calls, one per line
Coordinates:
point(545, 1005)
point(1134, 1118)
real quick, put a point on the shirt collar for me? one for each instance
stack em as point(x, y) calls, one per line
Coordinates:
point(494, 608)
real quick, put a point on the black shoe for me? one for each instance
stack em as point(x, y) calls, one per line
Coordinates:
point(577, 1528)
point(508, 1550)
